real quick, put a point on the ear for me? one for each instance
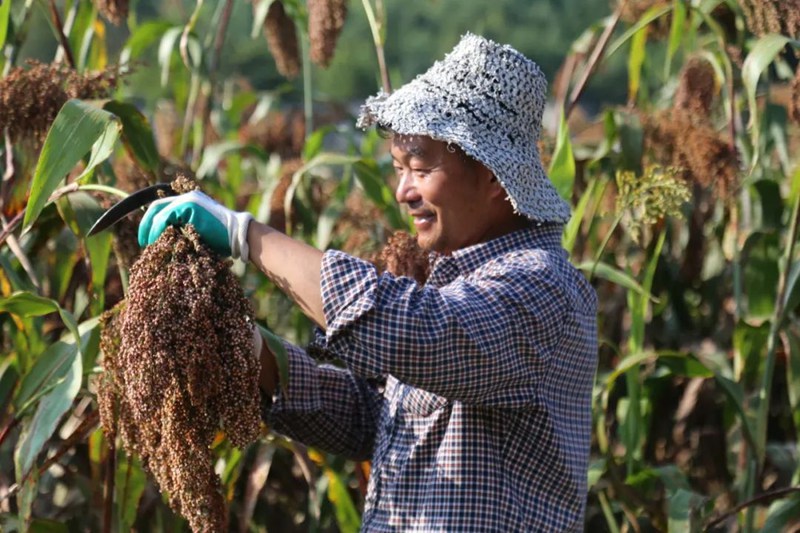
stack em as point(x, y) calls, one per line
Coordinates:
point(495, 189)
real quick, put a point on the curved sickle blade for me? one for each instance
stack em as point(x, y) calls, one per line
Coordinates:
point(128, 205)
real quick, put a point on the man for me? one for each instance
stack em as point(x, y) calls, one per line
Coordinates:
point(484, 422)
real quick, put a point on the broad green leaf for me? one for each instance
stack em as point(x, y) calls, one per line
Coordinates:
point(78, 128)
point(5, 12)
point(614, 275)
point(760, 257)
point(137, 134)
point(52, 366)
point(562, 166)
point(750, 346)
point(275, 345)
point(48, 413)
point(636, 59)
point(27, 304)
point(347, 516)
point(761, 55)
point(142, 38)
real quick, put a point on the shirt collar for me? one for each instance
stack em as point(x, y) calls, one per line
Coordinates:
point(546, 237)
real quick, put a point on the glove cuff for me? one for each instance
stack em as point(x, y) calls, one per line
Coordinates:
point(239, 247)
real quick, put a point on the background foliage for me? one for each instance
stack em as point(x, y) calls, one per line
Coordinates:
point(671, 128)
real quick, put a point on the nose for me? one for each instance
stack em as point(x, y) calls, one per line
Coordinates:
point(406, 192)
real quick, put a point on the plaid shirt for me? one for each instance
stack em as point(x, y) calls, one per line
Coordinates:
point(485, 418)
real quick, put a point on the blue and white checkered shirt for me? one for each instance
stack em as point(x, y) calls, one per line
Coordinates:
point(485, 419)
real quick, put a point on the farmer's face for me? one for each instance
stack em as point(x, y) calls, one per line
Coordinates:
point(451, 198)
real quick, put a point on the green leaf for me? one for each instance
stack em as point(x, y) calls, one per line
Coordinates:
point(259, 16)
point(684, 365)
point(347, 516)
point(80, 211)
point(649, 16)
point(78, 128)
point(733, 391)
point(636, 59)
point(214, 154)
point(676, 33)
point(142, 38)
point(137, 134)
point(129, 486)
point(614, 275)
point(9, 377)
point(750, 346)
point(761, 55)
point(369, 176)
point(313, 145)
point(275, 345)
point(165, 48)
point(5, 11)
point(573, 227)
point(48, 413)
point(27, 304)
point(52, 366)
point(562, 166)
point(782, 514)
point(684, 516)
point(760, 255)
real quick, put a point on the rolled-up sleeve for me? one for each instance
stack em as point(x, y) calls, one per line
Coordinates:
point(326, 407)
point(484, 340)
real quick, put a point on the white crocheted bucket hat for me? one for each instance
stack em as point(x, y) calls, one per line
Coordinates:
point(488, 99)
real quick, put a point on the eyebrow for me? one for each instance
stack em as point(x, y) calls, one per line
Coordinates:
point(413, 151)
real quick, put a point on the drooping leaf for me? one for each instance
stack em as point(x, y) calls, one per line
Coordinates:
point(27, 304)
point(52, 365)
point(761, 55)
point(78, 128)
point(614, 275)
point(137, 134)
point(782, 514)
point(562, 166)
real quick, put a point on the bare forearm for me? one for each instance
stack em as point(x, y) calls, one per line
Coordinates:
point(293, 265)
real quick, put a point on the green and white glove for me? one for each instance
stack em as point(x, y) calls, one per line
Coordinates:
point(224, 230)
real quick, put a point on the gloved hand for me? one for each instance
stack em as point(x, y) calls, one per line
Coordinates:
point(225, 231)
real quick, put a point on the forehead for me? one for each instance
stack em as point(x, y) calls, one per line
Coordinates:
point(420, 146)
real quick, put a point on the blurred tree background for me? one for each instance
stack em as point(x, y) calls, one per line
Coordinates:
point(671, 128)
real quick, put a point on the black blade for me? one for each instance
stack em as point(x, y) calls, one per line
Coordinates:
point(130, 204)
